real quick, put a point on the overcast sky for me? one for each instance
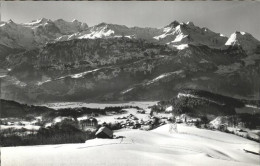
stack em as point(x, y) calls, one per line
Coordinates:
point(223, 17)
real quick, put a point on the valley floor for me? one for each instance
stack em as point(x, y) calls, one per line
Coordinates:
point(60, 105)
point(188, 146)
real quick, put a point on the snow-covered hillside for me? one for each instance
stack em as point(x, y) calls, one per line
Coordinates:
point(190, 146)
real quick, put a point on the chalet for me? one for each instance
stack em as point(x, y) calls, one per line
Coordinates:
point(104, 132)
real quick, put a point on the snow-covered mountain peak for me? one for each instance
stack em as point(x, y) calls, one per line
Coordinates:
point(205, 29)
point(240, 37)
point(10, 21)
point(243, 39)
point(66, 27)
point(178, 25)
point(112, 30)
point(8, 24)
point(2, 23)
point(173, 24)
point(190, 23)
point(36, 23)
point(44, 20)
point(242, 33)
point(60, 20)
point(187, 33)
point(101, 25)
point(76, 21)
point(110, 26)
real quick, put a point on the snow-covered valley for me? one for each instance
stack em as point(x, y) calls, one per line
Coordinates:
point(138, 137)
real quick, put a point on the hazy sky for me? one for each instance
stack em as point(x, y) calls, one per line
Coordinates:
point(223, 17)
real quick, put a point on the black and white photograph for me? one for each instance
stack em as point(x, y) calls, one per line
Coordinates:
point(129, 83)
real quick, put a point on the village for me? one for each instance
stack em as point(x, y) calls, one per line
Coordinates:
point(128, 118)
point(140, 118)
point(135, 119)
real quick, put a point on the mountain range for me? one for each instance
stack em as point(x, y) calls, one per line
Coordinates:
point(46, 61)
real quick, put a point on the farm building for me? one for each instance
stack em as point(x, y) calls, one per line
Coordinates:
point(104, 132)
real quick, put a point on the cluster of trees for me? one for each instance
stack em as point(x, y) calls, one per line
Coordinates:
point(200, 106)
point(250, 121)
point(217, 97)
point(204, 121)
point(77, 112)
point(15, 109)
point(66, 131)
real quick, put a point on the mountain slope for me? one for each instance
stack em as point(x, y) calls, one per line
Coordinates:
point(123, 69)
point(62, 61)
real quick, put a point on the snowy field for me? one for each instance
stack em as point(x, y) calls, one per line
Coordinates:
point(190, 146)
point(141, 104)
point(110, 117)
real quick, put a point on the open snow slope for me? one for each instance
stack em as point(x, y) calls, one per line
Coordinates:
point(190, 146)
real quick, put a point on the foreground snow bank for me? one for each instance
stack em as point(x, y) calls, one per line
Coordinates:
point(189, 146)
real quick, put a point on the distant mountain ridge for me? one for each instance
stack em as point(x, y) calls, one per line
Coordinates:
point(41, 31)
